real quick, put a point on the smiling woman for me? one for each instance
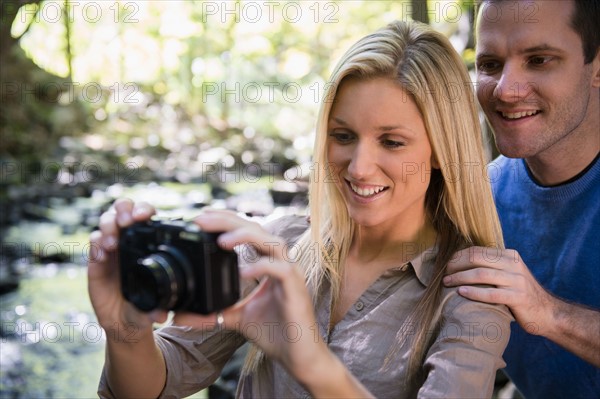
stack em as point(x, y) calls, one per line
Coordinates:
point(360, 310)
point(381, 158)
point(390, 120)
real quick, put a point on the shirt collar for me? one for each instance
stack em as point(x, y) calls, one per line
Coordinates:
point(422, 264)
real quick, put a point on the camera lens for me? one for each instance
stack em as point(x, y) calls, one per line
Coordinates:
point(161, 283)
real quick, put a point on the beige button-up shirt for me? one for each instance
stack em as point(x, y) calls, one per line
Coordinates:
point(461, 362)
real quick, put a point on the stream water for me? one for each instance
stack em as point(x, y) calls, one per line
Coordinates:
point(51, 345)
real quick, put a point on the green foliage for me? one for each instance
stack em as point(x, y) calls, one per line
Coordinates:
point(157, 83)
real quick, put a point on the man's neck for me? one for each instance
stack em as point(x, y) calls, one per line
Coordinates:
point(553, 171)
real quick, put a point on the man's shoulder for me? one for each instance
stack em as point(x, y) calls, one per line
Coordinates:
point(502, 163)
point(505, 172)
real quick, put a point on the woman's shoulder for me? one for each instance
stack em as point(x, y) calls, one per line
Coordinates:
point(465, 313)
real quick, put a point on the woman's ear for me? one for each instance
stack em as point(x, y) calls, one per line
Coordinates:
point(434, 162)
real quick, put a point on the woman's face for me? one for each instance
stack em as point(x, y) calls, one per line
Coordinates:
point(380, 152)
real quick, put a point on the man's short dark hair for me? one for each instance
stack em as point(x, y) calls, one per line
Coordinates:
point(584, 21)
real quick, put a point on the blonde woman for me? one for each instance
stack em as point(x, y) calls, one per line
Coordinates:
point(348, 302)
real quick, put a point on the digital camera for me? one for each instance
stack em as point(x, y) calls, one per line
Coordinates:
point(174, 265)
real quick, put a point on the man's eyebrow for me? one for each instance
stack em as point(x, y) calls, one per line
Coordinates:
point(527, 50)
point(539, 48)
point(485, 55)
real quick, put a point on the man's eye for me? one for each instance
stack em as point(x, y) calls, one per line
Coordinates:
point(539, 60)
point(488, 66)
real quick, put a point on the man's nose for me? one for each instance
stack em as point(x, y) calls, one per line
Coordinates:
point(513, 85)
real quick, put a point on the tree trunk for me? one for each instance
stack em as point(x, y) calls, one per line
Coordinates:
point(419, 11)
point(29, 124)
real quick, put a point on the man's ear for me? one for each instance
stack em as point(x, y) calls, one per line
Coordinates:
point(596, 69)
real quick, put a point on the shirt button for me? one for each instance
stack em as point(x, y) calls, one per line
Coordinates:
point(404, 267)
point(359, 306)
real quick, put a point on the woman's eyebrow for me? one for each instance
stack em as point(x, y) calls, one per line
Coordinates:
point(383, 129)
point(339, 120)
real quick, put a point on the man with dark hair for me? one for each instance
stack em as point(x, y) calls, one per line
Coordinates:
point(538, 75)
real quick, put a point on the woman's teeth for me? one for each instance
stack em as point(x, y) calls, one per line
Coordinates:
point(366, 192)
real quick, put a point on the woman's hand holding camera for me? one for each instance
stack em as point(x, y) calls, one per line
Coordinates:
point(134, 363)
point(278, 315)
point(121, 320)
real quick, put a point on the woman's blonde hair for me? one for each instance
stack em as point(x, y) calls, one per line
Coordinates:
point(459, 201)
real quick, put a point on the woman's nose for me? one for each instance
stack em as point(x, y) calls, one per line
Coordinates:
point(362, 161)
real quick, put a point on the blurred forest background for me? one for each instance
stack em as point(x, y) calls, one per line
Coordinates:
point(179, 103)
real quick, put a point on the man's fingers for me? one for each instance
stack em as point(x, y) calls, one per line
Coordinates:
point(486, 294)
point(472, 257)
point(479, 275)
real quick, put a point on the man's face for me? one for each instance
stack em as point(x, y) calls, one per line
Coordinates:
point(532, 82)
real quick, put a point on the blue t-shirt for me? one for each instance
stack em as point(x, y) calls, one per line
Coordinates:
point(556, 230)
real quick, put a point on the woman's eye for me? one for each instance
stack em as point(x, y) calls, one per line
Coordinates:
point(341, 137)
point(392, 144)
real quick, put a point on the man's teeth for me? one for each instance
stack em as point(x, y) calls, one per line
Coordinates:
point(366, 192)
point(517, 115)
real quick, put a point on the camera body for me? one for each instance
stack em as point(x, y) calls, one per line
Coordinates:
point(174, 265)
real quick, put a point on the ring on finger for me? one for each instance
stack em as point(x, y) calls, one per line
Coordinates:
point(220, 321)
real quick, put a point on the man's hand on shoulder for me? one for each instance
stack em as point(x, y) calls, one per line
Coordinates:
point(507, 281)
point(501, 277)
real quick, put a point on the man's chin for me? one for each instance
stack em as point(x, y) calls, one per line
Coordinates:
point(514, 150)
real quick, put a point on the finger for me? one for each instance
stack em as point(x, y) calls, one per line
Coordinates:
point(479, 275)
point(96, 255)
point(219, 211)
point(264, 243)
point(124, 208)
point(102, 266)
point(142, 211)
point(471, 257)
point(281, 271)
point(109, 229)
point(218, 221)
point(238, 231)
point(488, 295)
point(208, 322)
point(158, 316)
